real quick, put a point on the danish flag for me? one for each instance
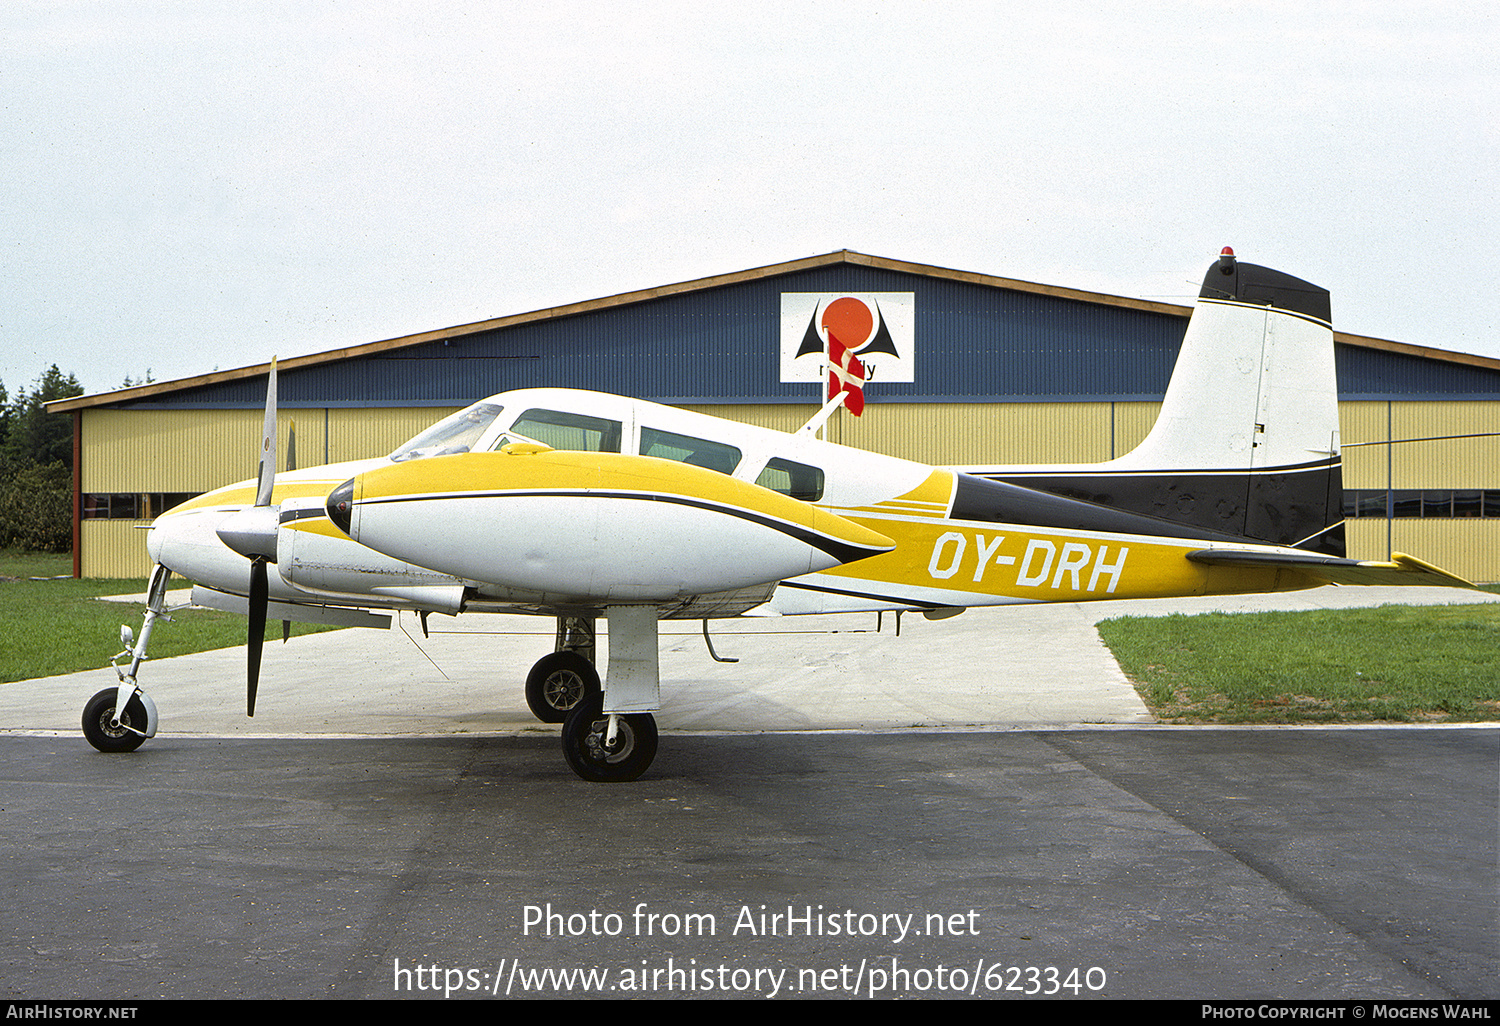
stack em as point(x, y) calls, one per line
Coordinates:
point(845, 374)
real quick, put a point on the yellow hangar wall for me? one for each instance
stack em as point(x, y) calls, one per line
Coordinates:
point(972, 433)
point(148, 453)
point(1466, 545)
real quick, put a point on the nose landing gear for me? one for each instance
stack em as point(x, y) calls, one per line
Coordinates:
point(120, 719)
point(110, 733)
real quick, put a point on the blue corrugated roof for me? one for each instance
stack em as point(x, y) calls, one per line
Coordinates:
point(978, 340)
point(1375, 374)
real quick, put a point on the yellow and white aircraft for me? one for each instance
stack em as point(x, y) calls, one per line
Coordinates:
point(578, 504)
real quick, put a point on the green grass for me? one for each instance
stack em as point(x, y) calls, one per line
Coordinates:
point(1396, 663)
point(1414, 664)
point(50, 627)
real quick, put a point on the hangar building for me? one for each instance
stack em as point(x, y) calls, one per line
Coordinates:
point(991, 371)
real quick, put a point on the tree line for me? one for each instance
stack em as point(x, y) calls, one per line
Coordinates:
point(36, 465)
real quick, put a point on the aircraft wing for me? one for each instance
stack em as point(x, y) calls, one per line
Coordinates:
point(297, 612)
point(1403, 570)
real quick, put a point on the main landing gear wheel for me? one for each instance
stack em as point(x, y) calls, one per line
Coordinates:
point(99, 728)
point(557, 683)
point(586, 747)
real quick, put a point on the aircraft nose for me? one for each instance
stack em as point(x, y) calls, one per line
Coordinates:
point(340, 506)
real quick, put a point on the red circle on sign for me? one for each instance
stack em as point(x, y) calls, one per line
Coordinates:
point(849, 321)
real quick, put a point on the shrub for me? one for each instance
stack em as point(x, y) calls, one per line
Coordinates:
point(36, 508)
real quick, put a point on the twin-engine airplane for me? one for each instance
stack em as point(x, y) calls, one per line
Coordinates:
point(578, 505)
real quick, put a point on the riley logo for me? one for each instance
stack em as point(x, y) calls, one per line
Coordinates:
point(875, 329)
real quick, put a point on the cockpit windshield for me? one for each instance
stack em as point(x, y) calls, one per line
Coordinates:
point(457, 433)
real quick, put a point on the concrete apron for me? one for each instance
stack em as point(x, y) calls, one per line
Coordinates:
point(1016, 666)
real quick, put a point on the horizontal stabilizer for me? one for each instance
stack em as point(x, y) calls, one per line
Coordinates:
point(1403, 570)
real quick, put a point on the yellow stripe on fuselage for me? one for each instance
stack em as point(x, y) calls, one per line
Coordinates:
point(976, 562)
point(242, 493)
point(479, 474)
point(933, 498)
point(317, 525)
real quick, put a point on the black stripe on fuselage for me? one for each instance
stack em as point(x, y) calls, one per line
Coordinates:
point(1252, 285)
point(872, 596)
point(1286, 505)
point(841, 551)
point(288, 516)
point(1003, 502)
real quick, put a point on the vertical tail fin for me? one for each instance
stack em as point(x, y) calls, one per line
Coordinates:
point(1253, 401)
point(1254, 385)
point(1247, 439)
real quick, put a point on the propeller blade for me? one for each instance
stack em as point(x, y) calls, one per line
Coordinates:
point(258, 600)
point(265, 476)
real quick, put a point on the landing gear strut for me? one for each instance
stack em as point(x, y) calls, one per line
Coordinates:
point(610, 736)
point(104, 724)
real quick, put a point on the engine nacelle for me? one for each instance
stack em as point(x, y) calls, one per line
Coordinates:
point(591, 528)
point(314, 556)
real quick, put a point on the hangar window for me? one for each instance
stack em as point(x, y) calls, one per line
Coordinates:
point(1421, 503)
point(110, 506)
point(571, 431)
point(456, 433)
point(795, 479)
point(159, 502)
point(698, 452)
point(147, 506)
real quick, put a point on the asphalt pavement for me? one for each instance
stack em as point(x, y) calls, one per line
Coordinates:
point(978, 807)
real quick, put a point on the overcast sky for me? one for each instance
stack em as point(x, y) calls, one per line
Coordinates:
point(198, 185)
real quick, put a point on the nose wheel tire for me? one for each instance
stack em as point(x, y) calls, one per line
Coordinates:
point(557, 683)
point(99, 728)
point(590, 754)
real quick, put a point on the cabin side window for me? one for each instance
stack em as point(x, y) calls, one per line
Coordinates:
point(699, 452)
point(571, 431)
point(794, 479)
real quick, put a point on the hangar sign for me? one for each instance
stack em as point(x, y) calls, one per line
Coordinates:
point(878, 327)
